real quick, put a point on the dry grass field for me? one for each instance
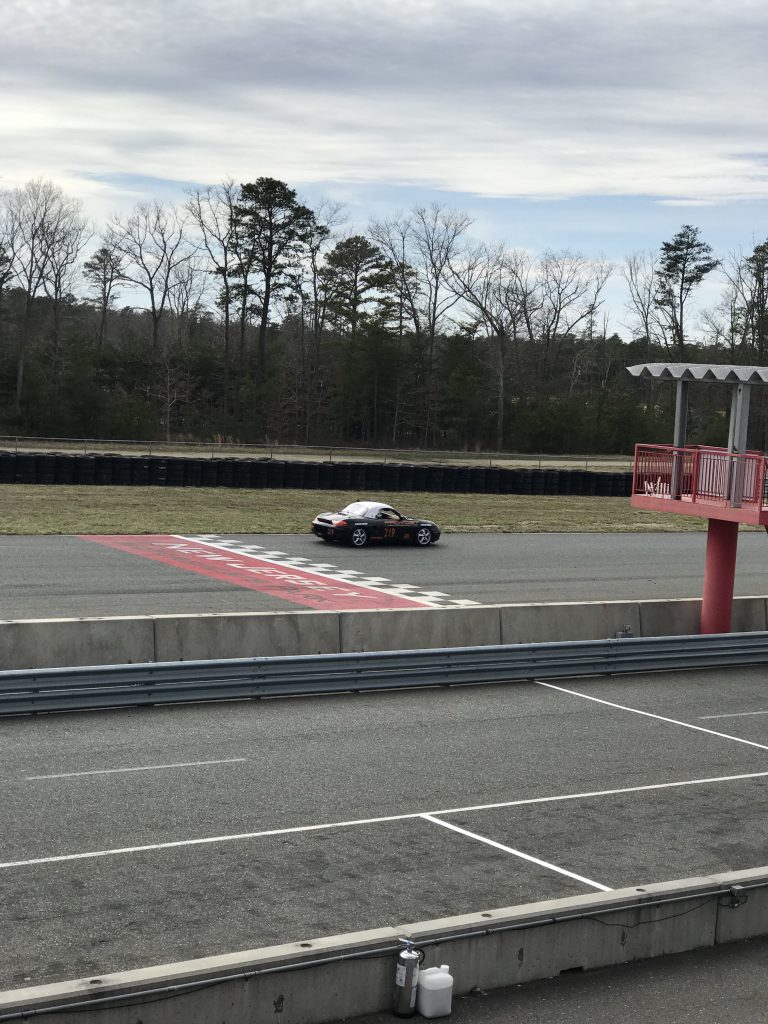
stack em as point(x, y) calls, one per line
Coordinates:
point(35, 509)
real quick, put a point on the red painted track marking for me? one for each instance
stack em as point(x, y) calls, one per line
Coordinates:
point(299, 586)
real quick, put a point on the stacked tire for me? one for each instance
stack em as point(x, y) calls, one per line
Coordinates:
point(356, 478)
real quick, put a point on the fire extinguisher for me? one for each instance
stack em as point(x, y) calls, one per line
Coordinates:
point(407, 978)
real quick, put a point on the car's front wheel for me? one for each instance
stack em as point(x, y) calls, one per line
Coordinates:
point(423, 536)
point(359, 537)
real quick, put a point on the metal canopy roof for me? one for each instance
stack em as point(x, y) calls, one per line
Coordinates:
point(715, 372)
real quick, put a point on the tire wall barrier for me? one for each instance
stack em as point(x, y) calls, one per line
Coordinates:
point(66, 643)
point(358, 477)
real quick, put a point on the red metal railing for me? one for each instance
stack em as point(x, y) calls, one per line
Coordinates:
point(710, 475)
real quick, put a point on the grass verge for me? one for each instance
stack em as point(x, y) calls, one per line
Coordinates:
point(39, 510)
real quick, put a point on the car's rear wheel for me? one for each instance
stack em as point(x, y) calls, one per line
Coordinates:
point(423, 536)
point(359, 537)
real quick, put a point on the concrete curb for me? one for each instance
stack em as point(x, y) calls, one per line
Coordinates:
point(65, 643)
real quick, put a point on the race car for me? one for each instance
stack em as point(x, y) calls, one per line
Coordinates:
point(367, 521)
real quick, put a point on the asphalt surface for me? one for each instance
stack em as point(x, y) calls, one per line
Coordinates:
point(296, 818)
point(319, 775)
point(51, 577)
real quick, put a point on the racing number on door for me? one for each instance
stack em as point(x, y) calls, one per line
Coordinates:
point(389, 532)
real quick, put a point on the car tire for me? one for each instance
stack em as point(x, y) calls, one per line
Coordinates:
point(359, 537)
point(423, 536)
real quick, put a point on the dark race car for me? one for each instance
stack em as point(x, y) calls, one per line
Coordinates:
point(373, 521)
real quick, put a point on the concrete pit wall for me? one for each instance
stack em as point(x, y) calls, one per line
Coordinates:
point(490, 949)
point(64, 643)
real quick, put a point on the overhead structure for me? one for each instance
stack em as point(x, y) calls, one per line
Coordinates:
point(726, 486)
point(715, 373)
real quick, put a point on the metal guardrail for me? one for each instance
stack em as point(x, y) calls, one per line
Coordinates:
point(112, 686)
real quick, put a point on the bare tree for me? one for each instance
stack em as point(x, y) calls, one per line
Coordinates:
point(212, 210)
point(171, 384)
point(322, 235)
point(42, 229)
point(484, 279)
point(436, 234)
point(66, 235)
point(394, 238)
point(569, 289)
point(185, 294)
point(745, 301)
point(542, 302)
point(7, 242)
point(426, 241)
point(640, 274)
point(152, 244)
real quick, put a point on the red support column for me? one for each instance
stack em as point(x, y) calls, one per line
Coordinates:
point(719, 573)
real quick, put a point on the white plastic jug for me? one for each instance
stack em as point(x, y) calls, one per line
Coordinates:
point(435, 991)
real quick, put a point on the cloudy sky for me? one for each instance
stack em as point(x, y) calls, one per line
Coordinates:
point(598, 125)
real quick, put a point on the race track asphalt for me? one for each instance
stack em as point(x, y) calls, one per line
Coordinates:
point(62, 576)
point(139, 837)
point(146, 836)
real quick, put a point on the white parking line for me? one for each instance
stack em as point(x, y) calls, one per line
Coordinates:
point(92, 854)
point(650, 714)
point(144, 768)
point(516, 853)
point(735, 714)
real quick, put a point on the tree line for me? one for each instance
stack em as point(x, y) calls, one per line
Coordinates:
point(254, 317)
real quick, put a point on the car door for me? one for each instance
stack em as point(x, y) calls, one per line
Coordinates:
point(397, 527)
point(377, 529)
point(406, 529)
point(388, 526)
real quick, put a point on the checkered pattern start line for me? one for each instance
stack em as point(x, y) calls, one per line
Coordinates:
point(300, 581)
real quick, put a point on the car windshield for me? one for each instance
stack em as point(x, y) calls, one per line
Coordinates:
point(370, 510)
point(359, 508)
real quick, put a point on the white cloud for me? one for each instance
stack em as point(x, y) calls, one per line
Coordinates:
point(686, 202)
point(487, 97)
